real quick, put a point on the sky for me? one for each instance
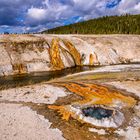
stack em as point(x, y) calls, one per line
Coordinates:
point(21, 16)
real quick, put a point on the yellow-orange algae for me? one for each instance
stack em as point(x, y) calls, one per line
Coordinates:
point(102, 94)
point(91, 59)
point(67, 54)
point(92, 95)
point(63, 111)
point(55, 57)
point(73, 51)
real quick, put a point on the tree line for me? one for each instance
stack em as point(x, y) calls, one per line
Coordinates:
point(124, 24)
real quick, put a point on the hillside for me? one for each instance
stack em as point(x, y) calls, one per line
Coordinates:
point(127, 24)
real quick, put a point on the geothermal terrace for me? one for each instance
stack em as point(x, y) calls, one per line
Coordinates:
point(69, 87)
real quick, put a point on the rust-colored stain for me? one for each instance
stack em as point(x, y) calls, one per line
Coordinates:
point(74, 52)
point(92, 95)
point(58, 54)
point(20, 68)
point(56, 60)
point(91, 59)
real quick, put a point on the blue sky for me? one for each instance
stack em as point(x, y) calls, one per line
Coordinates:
point(19, 16)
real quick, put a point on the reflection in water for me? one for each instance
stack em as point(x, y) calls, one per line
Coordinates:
point(33, 78)
point(28, 79)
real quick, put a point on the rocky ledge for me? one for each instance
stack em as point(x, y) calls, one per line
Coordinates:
point(21, 54)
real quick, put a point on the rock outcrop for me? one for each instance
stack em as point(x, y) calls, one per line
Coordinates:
point(34, 53)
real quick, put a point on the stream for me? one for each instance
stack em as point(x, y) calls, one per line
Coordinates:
point(74, 73)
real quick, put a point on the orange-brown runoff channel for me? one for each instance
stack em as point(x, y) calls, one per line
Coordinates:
point(92, 94)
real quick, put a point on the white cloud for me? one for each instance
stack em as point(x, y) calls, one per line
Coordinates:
point(55, 11)
point(37, 13)
point(51, 13)
point(128, 6)
point(137, 7)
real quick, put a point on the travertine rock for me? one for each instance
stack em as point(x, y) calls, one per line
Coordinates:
point(33, 53)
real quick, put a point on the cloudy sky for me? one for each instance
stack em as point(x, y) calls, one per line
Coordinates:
point(37, 15)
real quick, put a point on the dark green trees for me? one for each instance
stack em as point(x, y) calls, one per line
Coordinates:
point(125, 24)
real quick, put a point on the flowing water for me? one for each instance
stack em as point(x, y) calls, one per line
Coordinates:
point(91, 73)
point(33, 78)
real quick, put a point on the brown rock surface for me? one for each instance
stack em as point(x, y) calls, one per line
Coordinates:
point(34, 53)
